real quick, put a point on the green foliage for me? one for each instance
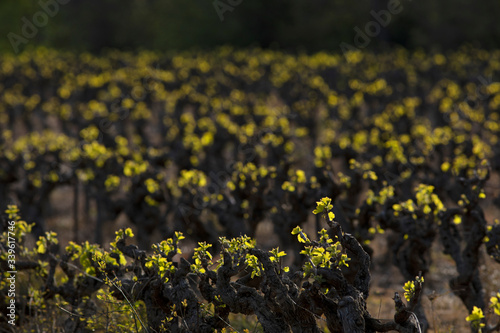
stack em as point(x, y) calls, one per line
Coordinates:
point(409, 288)
point(476, 318)
point(276, 254)
point(326, 252)
point(18, 230)
point(495, 303)
point(301, 236)
point(201, 258)
point(44, 242)
point(160, 261)
point(238, 244)
point(252, 262)
point(404, 153)
point(324, 204)
point(168, 25)
point(117, 303)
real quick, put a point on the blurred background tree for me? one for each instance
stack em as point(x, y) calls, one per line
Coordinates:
point(294, 25)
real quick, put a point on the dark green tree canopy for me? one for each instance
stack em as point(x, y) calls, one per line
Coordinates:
point(296, 25)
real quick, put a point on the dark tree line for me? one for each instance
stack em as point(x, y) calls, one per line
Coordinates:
point(291, 25)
